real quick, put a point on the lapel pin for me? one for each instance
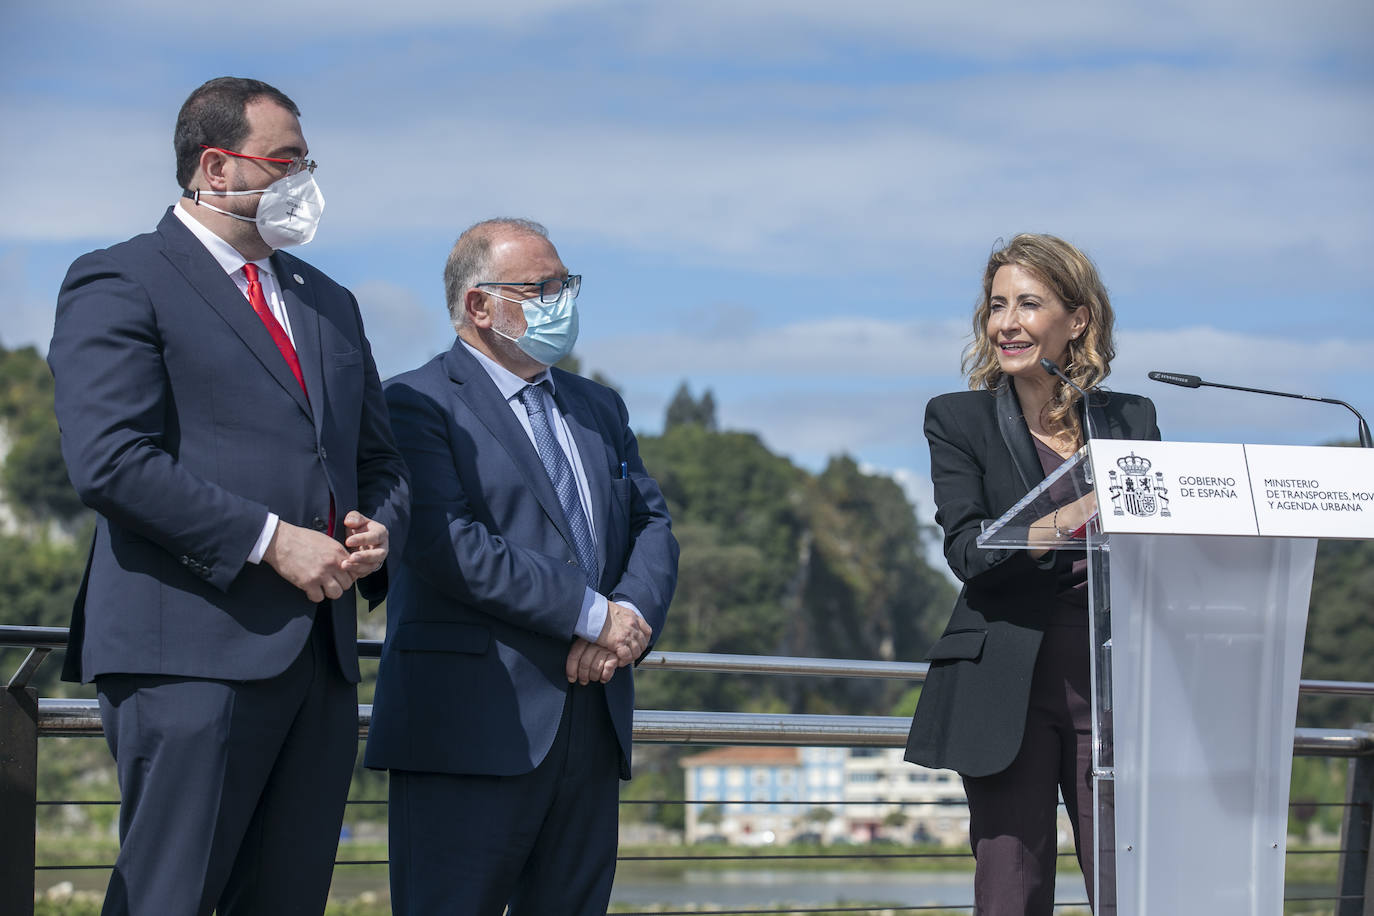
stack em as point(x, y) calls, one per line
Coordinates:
point(298, 278)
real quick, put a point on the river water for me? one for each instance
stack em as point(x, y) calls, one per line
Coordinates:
point(732, 888)
point(742, 888)
point(735, 888)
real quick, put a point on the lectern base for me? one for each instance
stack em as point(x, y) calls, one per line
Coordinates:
point(1197, 658)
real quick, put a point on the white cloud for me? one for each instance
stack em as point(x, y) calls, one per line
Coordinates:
point(403, 331)
point(72, 188)
point(812, 350)
point(1163, 162)
point(1237, 357)
point(1300, 364)
point(1170, 176)
point(831, 351)
point(326, 16)
point(28, 320)
point(1007, 30)
point(814, 389)
point(1166, 162)
point(774, 29)
point(1172, 169)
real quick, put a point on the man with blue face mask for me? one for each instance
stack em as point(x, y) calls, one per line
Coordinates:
point(538, 569)
point(220, 410)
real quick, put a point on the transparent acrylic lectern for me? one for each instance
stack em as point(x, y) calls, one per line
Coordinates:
point(1196, 645)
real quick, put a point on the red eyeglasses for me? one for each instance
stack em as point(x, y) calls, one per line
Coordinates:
point(293, 166)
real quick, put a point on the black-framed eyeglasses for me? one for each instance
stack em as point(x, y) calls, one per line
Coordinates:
point(549, 290)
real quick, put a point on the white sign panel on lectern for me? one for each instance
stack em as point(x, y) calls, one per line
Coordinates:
point(1229, 489)
point(1172, 487)
point(1312, 492)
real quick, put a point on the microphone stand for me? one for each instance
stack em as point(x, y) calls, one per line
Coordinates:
point(1193, 381)
point(1051, 367)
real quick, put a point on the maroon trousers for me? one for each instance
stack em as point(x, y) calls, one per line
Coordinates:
point(1013, 814)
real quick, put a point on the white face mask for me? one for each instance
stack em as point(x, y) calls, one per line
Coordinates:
point(288, 213)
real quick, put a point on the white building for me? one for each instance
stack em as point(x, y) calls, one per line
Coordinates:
point(891, 799)
point(762, 795)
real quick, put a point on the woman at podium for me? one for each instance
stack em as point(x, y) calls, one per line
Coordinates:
point(1007, 702)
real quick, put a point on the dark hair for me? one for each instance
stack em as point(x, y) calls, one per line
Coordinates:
point(214, 115)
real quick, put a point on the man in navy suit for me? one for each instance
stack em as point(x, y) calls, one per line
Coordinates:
point(538, 569)
point(220, 410)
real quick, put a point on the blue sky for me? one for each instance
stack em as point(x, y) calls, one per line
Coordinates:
point(787, 202)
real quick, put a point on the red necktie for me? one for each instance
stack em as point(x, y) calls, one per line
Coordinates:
point(259, 303)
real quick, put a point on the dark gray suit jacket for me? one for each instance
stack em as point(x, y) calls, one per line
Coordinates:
point(972, 711)
point(483, 606)
point(182, 427)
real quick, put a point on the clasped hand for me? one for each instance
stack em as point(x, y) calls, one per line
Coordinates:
point(623, 639)
point(319, 565)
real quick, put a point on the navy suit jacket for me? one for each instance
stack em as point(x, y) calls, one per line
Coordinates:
point(182, 427)
point(972, 711)
point(484, 603)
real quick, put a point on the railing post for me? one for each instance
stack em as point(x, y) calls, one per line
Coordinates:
point(18, 797)
point(1356, 880)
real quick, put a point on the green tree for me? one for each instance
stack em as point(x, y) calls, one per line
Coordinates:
point(1317, 790)
point(1340, 640)
point(736, 512)
point(868, 556)
point(658, 791)
point(34, 475)
point(819, 817)
point(684, 410)
point(39, 577)
point(711, 815)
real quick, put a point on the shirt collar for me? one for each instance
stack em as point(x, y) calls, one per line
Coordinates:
point(225, 254)
point(507, 382)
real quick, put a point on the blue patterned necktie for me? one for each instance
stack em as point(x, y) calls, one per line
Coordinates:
point(560, 473)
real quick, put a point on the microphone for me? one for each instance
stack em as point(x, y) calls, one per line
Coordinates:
point(1176, 378)
point(1052, 368)
point(1192, 381)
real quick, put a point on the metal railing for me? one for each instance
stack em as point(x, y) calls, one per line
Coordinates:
point(24, 717)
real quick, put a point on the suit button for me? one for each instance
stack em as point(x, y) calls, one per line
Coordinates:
point(318, 523)
point(324, 455)
point(185, 561)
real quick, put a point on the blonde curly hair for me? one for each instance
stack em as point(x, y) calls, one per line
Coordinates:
point(1073, 278)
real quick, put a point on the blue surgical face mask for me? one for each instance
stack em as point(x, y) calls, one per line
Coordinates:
point(550, 329)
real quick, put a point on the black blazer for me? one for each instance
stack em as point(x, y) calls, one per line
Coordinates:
point(972, 711)
point(182, 427)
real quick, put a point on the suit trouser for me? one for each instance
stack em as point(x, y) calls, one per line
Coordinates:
point(1013, 814)
point(232, 791)
point(543, 841)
